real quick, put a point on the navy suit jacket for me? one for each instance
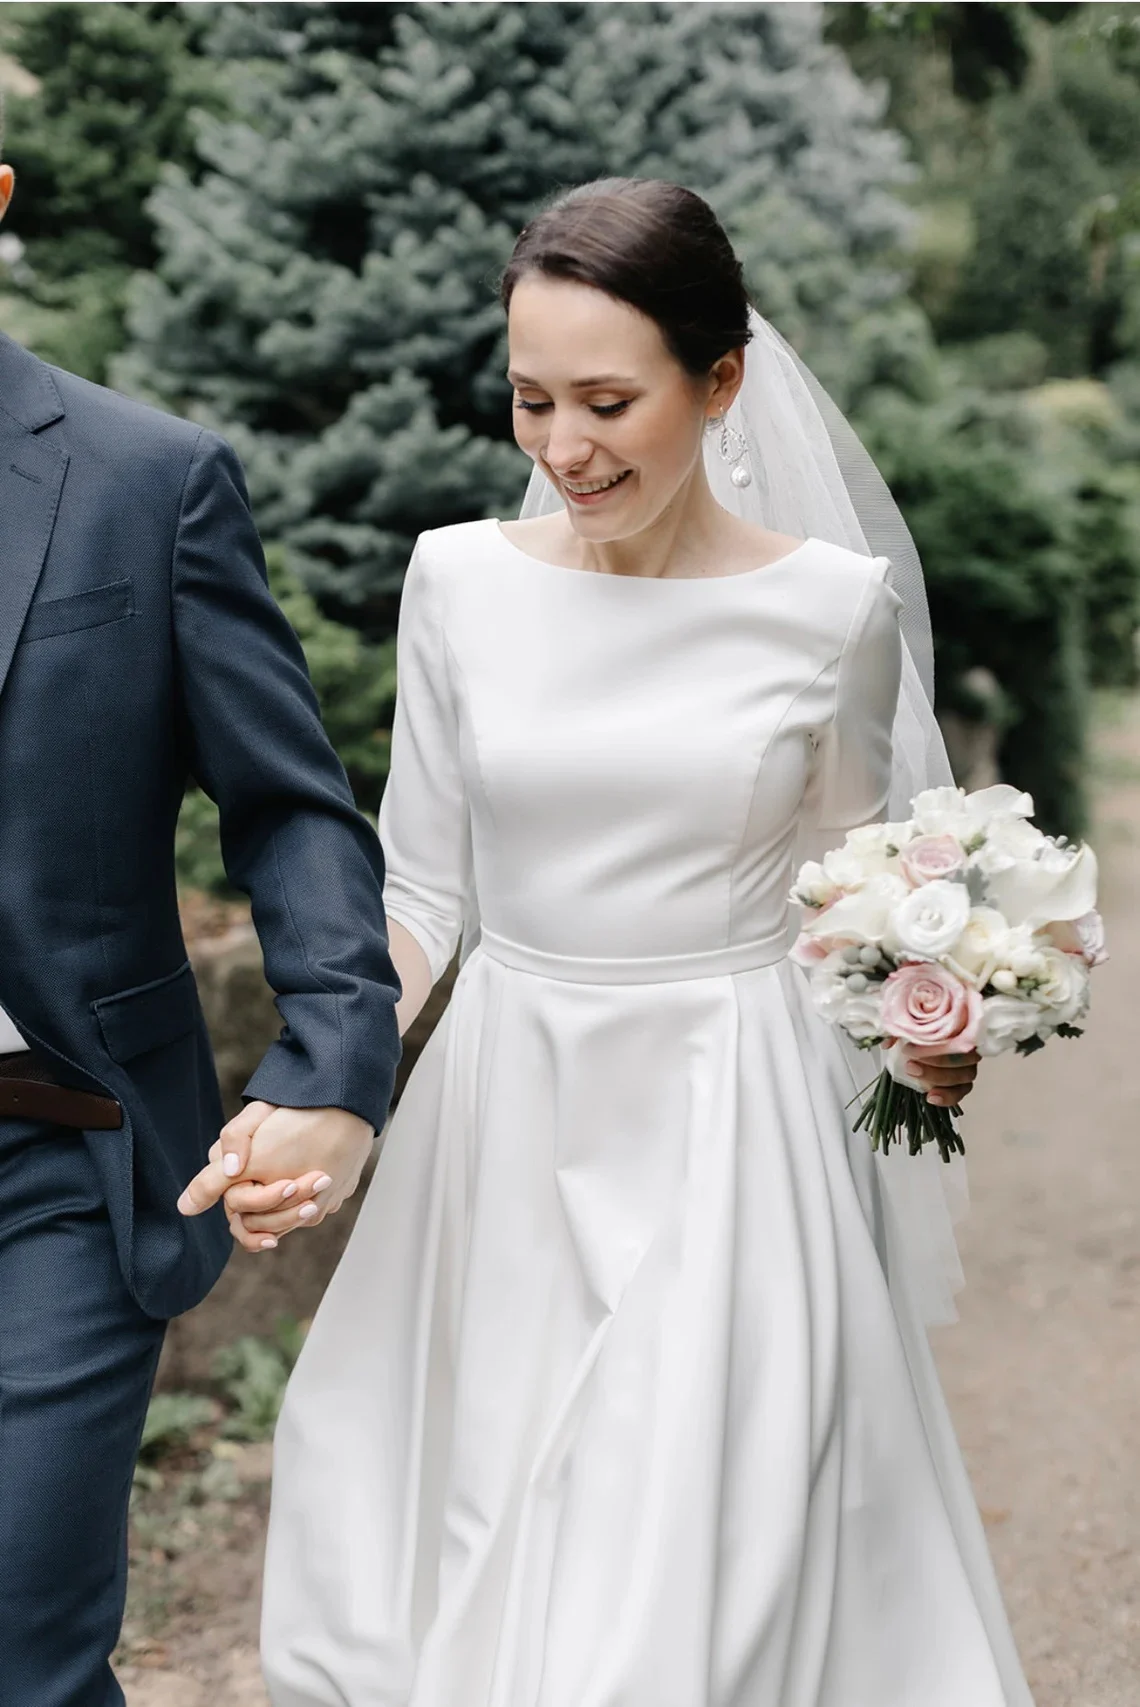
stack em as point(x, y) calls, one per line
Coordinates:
point(140, 647)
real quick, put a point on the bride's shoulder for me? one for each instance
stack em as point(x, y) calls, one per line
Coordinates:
point(840, 560)
point(456, 542)
point(850, 576)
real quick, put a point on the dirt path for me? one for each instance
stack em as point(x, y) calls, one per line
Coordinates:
point(1042, 1373)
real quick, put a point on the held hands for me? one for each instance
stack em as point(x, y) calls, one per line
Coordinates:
point(946, 1079)
point(279, 1169)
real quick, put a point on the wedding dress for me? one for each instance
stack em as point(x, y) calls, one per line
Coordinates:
point(620, 1396)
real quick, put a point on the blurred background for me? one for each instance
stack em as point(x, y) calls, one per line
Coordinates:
point(287, 221)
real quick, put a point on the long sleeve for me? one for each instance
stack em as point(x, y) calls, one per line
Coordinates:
point(292, 837)
point(851, 784)
point(424, 819)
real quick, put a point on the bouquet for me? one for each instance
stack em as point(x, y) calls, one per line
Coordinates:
point(964, 928)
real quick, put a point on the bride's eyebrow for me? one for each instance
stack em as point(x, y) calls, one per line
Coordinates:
point(575, 385)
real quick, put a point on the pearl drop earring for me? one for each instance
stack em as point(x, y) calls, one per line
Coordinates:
point(733, 448)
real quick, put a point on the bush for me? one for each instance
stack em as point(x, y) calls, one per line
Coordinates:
point(1108, 548)
point(253, 1373)
point(1005, 586)
point(355, 682)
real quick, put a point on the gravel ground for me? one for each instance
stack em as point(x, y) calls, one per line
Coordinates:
point(1042, 1372)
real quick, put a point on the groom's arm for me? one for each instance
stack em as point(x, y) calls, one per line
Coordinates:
point(291, 835)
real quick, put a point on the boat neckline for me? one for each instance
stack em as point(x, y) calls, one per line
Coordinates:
point(657, 580)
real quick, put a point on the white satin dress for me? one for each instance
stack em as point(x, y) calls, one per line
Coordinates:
point(618, 1397)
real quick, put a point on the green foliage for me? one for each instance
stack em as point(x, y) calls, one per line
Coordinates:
point(321, 197)
point(1024, 122)
point(116, 88)
point(1107, 547)
point(1005, 588)
point(1030, 269)
point(171, 1419)
point(252, 1374)
point(355, 682)
point(986, 45)
point(197, 846)
point(327, 292)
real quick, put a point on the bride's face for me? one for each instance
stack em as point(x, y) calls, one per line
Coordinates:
point(603, 406)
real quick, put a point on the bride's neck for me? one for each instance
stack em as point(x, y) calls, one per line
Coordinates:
point(687, 538)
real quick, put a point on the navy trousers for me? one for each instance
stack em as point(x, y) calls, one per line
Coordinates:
point(77, 1361)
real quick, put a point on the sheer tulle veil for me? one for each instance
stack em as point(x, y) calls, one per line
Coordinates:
point(812, 478)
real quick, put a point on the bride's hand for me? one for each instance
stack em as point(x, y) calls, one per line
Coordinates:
point(261, 1215)
point(268, 1150)
point(946, 1079)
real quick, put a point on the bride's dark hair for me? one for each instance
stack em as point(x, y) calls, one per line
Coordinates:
point(654, 245)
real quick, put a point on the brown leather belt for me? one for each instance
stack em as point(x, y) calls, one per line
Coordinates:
point(29, 1090)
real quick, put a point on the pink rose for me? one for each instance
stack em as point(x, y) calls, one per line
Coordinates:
point(929, 858)
point(927, 1006)
point(1083, 936)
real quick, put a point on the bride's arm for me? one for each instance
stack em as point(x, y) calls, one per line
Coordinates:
point(413, 971)
point(853, 774)
point(424, 816)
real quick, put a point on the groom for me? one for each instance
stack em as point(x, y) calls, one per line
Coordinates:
point(139, 647)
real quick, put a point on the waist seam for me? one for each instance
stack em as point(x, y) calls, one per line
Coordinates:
point(652, 969)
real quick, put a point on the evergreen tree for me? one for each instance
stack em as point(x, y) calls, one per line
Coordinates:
point(326, 292)
point(116, 88)
point(1030, 267)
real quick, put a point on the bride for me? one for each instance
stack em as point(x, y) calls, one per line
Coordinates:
point(621, 1395)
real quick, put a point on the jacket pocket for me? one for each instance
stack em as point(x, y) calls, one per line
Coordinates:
point(99, 605)
point(148, 1016)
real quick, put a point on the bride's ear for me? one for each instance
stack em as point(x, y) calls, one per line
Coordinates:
point(726, 376)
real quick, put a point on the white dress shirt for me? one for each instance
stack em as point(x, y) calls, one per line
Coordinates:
point(10, 1039)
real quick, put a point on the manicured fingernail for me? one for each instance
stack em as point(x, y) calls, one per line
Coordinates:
point(307, 1211)
point(290, 1189)
point(323, 1183)
point(913, 1067)
point(269, 1244)
point(231, 1164)
point(184, 1204)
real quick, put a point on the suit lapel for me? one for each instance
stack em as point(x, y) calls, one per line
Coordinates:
point(31, 479)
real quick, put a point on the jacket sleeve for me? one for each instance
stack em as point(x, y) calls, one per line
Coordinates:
point(424, 816)
point(292, 837)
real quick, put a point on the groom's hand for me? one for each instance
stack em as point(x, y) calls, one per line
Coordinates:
point(266, 1151)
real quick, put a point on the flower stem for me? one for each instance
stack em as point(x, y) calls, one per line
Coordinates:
point(891, 1109)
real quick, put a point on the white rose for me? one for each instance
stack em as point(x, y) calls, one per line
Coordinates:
point(861, 916)
point(930, 920)
point(876, 841)
point(953, 812)
point(942, 812)
point(869, 838)
point(981, 948)
point(813, 886)
point(1008, 841)
point(847, 868)
point(1005, 1022)
point(1056, 884)
point(970, 817)
point(1063, 990)
point(858, 1014)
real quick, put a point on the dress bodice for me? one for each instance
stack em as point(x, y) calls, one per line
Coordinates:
point(613, 766)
